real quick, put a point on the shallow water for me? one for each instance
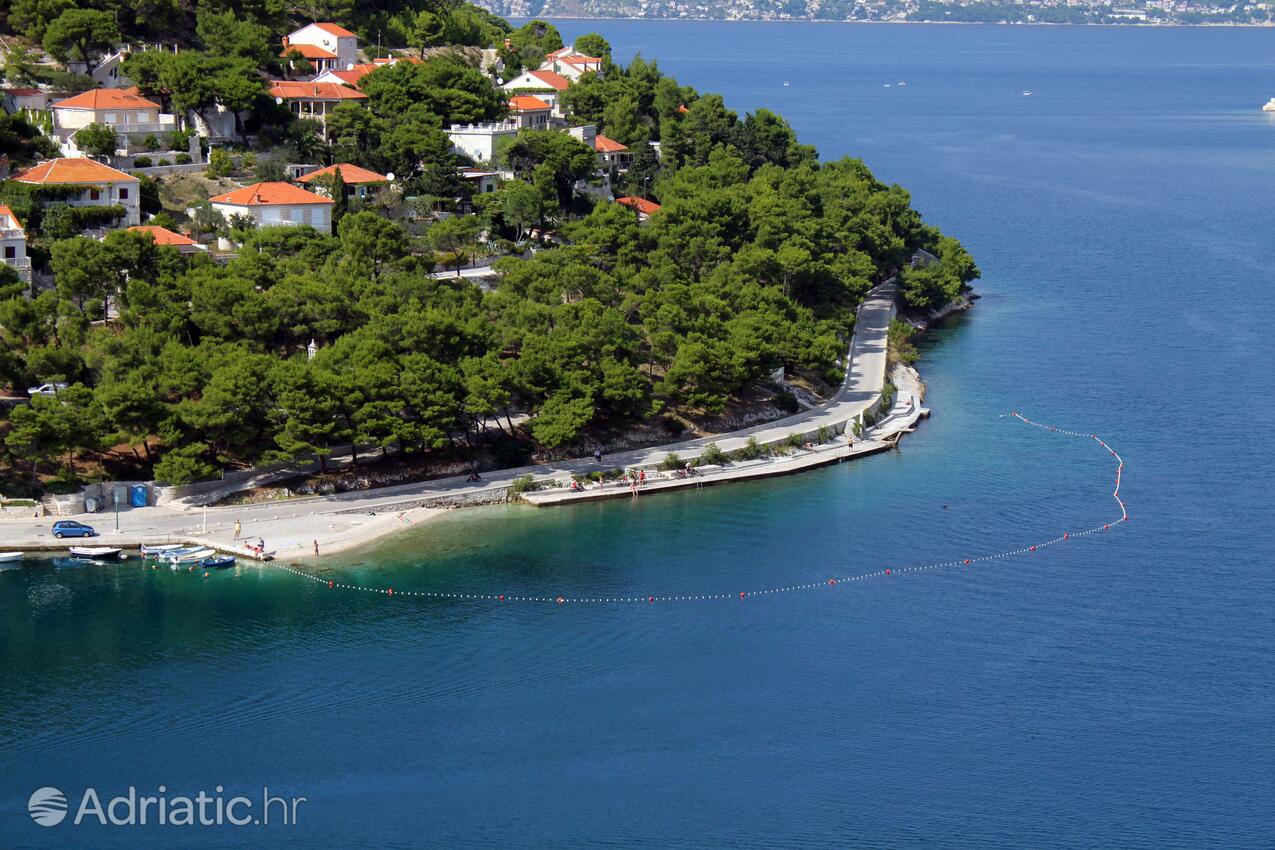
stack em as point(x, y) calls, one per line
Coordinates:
point(1115, 690)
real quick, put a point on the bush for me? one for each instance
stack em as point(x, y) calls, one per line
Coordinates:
point(163, 162)
point(522, 484)
point(795, 441)
point(750, 451)
point(220, 163)
point(141, 162)
point(825, 434)
point(712, 455)
point(151, 142)
point(671, 462)
point(183, 159)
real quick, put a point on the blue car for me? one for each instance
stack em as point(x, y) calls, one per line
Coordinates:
point(71, 528)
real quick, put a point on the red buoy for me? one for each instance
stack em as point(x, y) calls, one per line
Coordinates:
point(502, 597)
point(742, 594)
point(967, 560)
point(329, 584)
point(831, 581)
point(1105, 526)
point(650, 600)
point(1033, 548)
point(390, 592)
point(887, 572)
point(1066, 535)
point(561, 600)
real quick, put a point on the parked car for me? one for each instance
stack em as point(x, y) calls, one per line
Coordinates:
point(46, 389)
point(71, 528)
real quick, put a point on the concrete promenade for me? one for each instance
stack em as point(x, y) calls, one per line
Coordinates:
point(347, 520)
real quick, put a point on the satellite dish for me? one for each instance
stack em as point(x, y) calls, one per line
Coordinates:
point(279, 101)
point(390, 176)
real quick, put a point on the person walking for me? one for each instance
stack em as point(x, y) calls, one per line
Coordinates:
point(316, 548)
point(597, 454)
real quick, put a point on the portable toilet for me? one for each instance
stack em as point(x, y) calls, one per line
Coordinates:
point(139, 496)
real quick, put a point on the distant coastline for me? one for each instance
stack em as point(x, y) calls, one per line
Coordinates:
point(1130, 25)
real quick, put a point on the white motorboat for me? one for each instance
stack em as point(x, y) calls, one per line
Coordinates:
point(1269, 106)
point(96, 553)
point(160, 548)
point(191, 556)
point(10, 557)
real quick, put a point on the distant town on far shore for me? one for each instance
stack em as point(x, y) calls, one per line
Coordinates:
point(1144, 12)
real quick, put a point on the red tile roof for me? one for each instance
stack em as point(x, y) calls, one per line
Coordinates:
point(5, 211)
point(350, 173)
point(72, 170)
point(107, 99)
point(22, 92)
point(163, 236)
point(269, 194)
point(602, 144)
point(334, 29)
point(309, 51)
point(552, 79)
point(289, 90)
point(527, 103)
point(642, 205)
point(352, 76)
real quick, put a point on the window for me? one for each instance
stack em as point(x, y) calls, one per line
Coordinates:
point(123, 194)
point(109, 118)
point(10, 252)
point(95, 195)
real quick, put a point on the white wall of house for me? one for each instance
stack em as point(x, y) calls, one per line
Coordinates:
point(124, 193)
point(13, 247)
point(123, 120)
point(479, 141)
point(345, 47)
point(318, 216)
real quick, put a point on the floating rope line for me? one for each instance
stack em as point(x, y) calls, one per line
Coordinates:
point(749, 594)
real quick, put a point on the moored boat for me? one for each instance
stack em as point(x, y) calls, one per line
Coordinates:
point(1269, 106)
point(190, 556)
point(218, 562)
point(96, 553)
point(10, 557)
point(156, 549)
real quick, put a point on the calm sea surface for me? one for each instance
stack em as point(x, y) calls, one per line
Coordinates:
point(1115, 691)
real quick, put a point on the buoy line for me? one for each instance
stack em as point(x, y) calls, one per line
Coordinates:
point(827, 583)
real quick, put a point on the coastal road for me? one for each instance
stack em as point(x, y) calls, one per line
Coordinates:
point(343, 520)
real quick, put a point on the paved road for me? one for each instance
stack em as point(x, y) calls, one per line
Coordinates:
point(865, 378)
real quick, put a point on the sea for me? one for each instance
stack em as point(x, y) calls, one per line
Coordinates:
point(1115, 690)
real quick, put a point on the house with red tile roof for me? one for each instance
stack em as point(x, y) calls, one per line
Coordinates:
point(644, 208)
point(545, 85)
point(88, 184)
point(13, 244)
point(612, 153)
point(123, 110)
point(570, 64)
point(359, 182)
point(313, 100)
point(164, 237)
point(326, 46)
point(529, 113)
point(273, 204)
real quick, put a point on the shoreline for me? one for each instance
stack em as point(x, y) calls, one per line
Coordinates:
point(343, 524)
point(1139, 25)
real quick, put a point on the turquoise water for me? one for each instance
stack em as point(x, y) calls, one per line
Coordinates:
point(1114, 691)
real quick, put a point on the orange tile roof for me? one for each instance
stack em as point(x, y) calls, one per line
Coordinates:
point(552, 79)
point(269, 194)
point(642, 205)
point(602, 144)
point(289, 90)
point(309, 51)
point(163, 236)
point(72, 170)
point(580, 59)
point(527, 103)
point(107, 99)
point(333, 29)
point(681, 108)
point(5, 211)
point(352, 76)
point(350, 173)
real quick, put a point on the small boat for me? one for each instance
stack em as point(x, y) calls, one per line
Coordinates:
point(190, 556)
point(785, 82)
point(218, 562)
point(1026, 93)
point(95, 553)
point(157, 549)
point(179, 552)
point(10, 557)
point(1269, 106)
point(902, 83)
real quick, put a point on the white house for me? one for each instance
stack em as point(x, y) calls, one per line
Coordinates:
point(529, 113)
point(19, 99)
point(546, 85)
point(481, 180)
point(273, 204)
point(570, 64)
point(98, 185)
point(123, 110)
point(314, 100)
point(326, 46)
point(611, 153)
point(359, 182)
point(482, 142)
point(13, 244)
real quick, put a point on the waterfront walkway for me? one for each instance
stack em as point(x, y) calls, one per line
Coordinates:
point(345, 520)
